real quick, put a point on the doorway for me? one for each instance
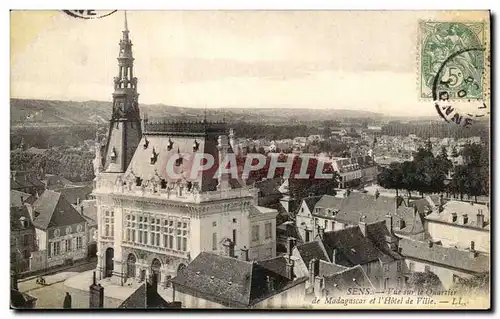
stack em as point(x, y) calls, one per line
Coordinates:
point(108, 271)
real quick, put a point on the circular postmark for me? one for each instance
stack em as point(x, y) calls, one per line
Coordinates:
point(457, 87)
point(89, 14)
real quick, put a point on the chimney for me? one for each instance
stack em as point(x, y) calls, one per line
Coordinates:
point(244, 253)
point(362, 225)
point(392, 242)
point(313, 270)
point(453, 217)
point(465, 219)
point(81, 210)
point(318, 286)
point(228, 248)
point(480, 218)
point(335, 255)
point(96, 294)
point(472, 250)
point(290, 245)
point(78, 201)
point(289, 268)
point(388, 222)
point(152, 285)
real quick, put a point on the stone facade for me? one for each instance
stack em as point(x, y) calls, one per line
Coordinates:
point(153, 222)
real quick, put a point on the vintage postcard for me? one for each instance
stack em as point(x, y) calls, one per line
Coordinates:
point(250, 160)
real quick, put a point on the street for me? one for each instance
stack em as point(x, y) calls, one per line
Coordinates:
point(52, 294)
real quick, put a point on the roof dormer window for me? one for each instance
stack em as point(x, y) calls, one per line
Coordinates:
point(24, 222)
point(154, 157)
point(113, 155)
point(178, 161)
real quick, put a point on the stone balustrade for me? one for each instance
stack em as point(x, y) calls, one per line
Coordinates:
point(177, 193)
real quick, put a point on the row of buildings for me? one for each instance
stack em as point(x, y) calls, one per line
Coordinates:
point(51, 223)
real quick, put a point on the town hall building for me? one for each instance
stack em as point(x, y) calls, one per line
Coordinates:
point(154, 223)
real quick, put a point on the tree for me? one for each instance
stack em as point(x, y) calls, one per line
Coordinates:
point(472, 154)
point(473, 177)
point(409, 176)
point(459, 181)
point(425, 280)
point(391, 177)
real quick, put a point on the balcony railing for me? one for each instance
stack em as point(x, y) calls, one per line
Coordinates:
point(157, 249)
point(108, 186)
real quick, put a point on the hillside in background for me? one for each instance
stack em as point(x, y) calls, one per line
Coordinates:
point(28, 112)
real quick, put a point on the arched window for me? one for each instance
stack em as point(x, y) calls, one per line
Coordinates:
point(180, 268)
point(155, 269)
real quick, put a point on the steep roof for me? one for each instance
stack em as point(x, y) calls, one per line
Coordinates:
point(354, 277)
point(16, 196)
point(326, 201)
point(232, 282)
point(19, 300)
point(352, 246)
point(461, 208)
point(141, 166)
point(24, 179)
point(89, 210)
point(351, 208)
point(327, 268)
point(312, 250)
point(224, 278)
point(74, 193)
point(276, 265)
point(51, 210)
point(269, 186)
point(378, 234)
point(145, 297)
point(446, 256)
point(311, 201)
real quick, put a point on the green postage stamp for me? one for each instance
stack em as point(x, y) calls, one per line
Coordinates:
point(452, 60)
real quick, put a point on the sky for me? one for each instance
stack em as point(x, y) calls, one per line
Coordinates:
point(294, 59)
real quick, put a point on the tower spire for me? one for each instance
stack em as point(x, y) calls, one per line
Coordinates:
point(125, 124)
point(126, 24)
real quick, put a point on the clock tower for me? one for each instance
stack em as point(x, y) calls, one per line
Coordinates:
point(125, 124)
